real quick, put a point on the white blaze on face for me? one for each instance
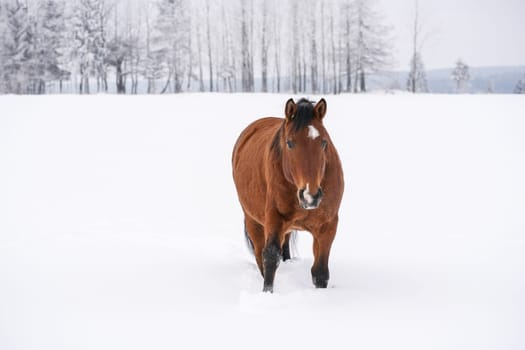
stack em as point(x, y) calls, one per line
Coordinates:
point(313, 133)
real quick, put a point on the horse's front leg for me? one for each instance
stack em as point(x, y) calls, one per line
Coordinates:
point(272, 253)
point(323, 238)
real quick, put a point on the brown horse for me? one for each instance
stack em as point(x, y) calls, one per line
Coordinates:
point(289, 177)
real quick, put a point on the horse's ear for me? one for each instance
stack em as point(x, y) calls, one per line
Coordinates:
point(320, 109)
point(290, 109)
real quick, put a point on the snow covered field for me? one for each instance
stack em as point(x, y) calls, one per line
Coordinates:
point(120, 226)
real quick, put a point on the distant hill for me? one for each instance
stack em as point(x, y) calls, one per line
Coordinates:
point(501, 79)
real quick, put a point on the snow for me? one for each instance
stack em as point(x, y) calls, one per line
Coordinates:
point(120, 226)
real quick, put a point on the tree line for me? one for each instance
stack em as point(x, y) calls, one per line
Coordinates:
point(86, 46)
point(160, 46)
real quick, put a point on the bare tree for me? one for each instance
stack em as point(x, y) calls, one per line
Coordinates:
point(313, 47)
point(417, 79)
point(200, 63)
point(323, 47)
point(264, 46)
point(334, 54)
point(226, 70)
point(417, 76)
point(246, 48)
point(348, 18)
point(520, 86)
point(294, 60)
point(276, 29)
point(209, 42)
point(461, 76)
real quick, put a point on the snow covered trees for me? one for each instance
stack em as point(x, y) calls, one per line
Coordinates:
point(18, 48)
point(119, 51)
point(181, 45)
point(50, 40)
point(3, 34)
point(372, 51)
point(30, 43)
point(171, 41)
point(461, 76)
point(89, 24)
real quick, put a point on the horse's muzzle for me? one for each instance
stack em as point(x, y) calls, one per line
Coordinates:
point(309, 201)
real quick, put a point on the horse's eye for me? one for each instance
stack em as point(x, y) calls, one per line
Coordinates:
point(290, 144)
point(324, 144)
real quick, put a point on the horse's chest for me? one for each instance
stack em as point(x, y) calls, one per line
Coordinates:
point(303, 220)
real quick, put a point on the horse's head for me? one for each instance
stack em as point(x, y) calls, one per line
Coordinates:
point(304, 142)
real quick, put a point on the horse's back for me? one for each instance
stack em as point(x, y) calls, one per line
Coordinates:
point(255, 139)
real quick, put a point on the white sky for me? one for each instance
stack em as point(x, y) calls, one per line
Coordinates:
point(481, 32)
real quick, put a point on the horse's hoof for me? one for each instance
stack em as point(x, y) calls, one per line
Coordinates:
point(319, 283)
point(268, 289)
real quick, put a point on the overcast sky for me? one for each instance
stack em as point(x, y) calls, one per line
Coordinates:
point(481, 32)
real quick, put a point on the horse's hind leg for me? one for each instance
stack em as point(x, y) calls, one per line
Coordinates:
point(255, 232)
point(286, 247)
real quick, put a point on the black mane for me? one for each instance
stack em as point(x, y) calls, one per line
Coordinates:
point(276, 142)
point(304, 115)
point(302, 118)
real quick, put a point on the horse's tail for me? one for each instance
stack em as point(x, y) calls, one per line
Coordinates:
point(294, 252)
point(249, 242)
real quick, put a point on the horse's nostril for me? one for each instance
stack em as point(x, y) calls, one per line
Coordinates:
point(301, 195)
